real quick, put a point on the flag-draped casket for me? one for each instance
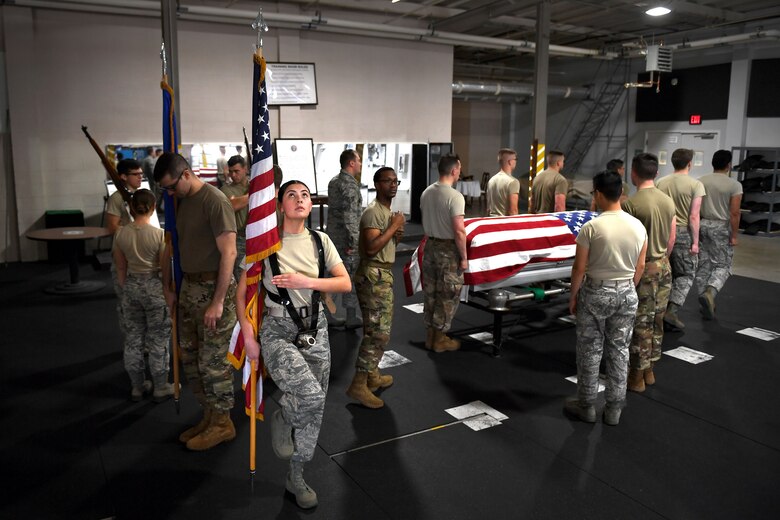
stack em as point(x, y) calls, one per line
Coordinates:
point(498, 248)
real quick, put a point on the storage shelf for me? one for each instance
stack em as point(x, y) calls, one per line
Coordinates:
point(771, 156)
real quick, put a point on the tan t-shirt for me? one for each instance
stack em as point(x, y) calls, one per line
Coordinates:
point(141, 245)
point(720, 188)
point(440, 204)
point(377, 216)
point(199, 220)
point(655, 209)
point(499, 188)
point(237, 190)
point(116, 206)
point(545, 187)
point(614, 240)
point(299, 255)
point(682, 189)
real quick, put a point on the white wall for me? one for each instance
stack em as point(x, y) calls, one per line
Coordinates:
point(68, 69)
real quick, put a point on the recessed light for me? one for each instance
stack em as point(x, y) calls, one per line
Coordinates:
point(658, 11)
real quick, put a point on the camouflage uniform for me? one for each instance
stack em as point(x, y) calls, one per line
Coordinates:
point(146, 323)
point(345, 205)
point(653, 293)
point(118, 292)
point(605, 321)
point(302, 375)
point(683, 266)
point(374, 286)
point(715, 254)
point(442, 282)
point(204, 351)
point(240, 254)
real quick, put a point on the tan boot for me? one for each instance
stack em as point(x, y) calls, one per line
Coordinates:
point(430, 334)
point(376, 380)
point(219, 430)
point(649, 376)
point(198, 428)
point(443, 343)
point(636, 380)
point(359, 391)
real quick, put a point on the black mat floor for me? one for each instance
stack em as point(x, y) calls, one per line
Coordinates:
point(703, 443)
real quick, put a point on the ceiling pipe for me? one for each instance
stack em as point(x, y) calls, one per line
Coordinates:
point(726, 40)
point(462, 89)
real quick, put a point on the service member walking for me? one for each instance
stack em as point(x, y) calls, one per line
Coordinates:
point(608, 264)
point(655, 210)
point(718, 231)
point(237, 193)
point(294, 333)
point(687, 193)
point(206, 308)
point(380, 230)
point(444, 256)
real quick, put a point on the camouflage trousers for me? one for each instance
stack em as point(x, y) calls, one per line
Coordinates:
point(715, 254)
point(349, 299)
point(302, 376)
point(653, 293)
point(374, 286)
point(145, 322)
point(240, 254)
point(118, 292)
point(683, 266)
point(605, 321)
point(204, 351)
point(442, 282)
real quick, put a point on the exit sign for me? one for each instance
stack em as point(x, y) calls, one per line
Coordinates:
point(695, 119)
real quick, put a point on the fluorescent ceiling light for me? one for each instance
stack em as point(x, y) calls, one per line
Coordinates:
point(396, 1)
point(658, 11)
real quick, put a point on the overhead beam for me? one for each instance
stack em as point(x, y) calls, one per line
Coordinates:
point(481, 15)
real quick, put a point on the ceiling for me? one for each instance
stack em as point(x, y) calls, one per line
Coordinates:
point(609, 27)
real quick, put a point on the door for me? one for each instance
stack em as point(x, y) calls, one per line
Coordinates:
point(703, 144)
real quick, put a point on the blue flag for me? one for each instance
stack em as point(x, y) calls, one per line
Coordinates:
point(171, 144)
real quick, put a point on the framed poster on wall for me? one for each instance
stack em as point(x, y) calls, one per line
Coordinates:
point(291, 84)
point(296, 159)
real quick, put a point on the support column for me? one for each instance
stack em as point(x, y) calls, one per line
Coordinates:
point(542, 69)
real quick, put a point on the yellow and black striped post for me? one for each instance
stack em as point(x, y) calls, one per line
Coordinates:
point(537, 166)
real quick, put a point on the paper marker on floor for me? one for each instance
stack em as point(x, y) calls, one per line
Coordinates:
point(391, 358)
point(484, 337)
point(415, 307)
point(602, 379)
point(477, 415)
point(571, 318)
point(686, 354)
point(755, 332)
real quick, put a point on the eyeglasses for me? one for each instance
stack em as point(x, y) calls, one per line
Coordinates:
point(172, 187)
point(393, 182)
point(137, 174)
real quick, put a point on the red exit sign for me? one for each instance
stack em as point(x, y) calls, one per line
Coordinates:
point(695, 119)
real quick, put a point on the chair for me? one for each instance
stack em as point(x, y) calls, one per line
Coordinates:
point(483, 184)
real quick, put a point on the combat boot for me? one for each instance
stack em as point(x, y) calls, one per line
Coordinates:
point(359, 391)
point(163, 390)
point(376, 380)
point(444, 343)
point(137, 392)
point(649, 376)
point(583, 412)
point(636, 380)
point(430, 334)
point(198, 428)
point(219, 430)
point(353, 322)
point(281, 436)
point(671, 318)
point(305, 496)
point(707, 302)
point(612, 414)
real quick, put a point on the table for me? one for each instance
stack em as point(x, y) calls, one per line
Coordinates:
point(469, 188)
point(322, 200)
point(71, 236)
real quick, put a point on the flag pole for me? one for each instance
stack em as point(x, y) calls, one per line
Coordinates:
point(174, 314)
point(260, 26)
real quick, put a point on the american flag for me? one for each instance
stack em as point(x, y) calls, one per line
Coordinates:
point(499, 247)
point(262, 236)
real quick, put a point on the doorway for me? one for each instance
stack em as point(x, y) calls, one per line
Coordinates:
point(703, 144)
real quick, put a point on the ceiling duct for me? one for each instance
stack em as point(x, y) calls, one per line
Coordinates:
point(509, 91)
